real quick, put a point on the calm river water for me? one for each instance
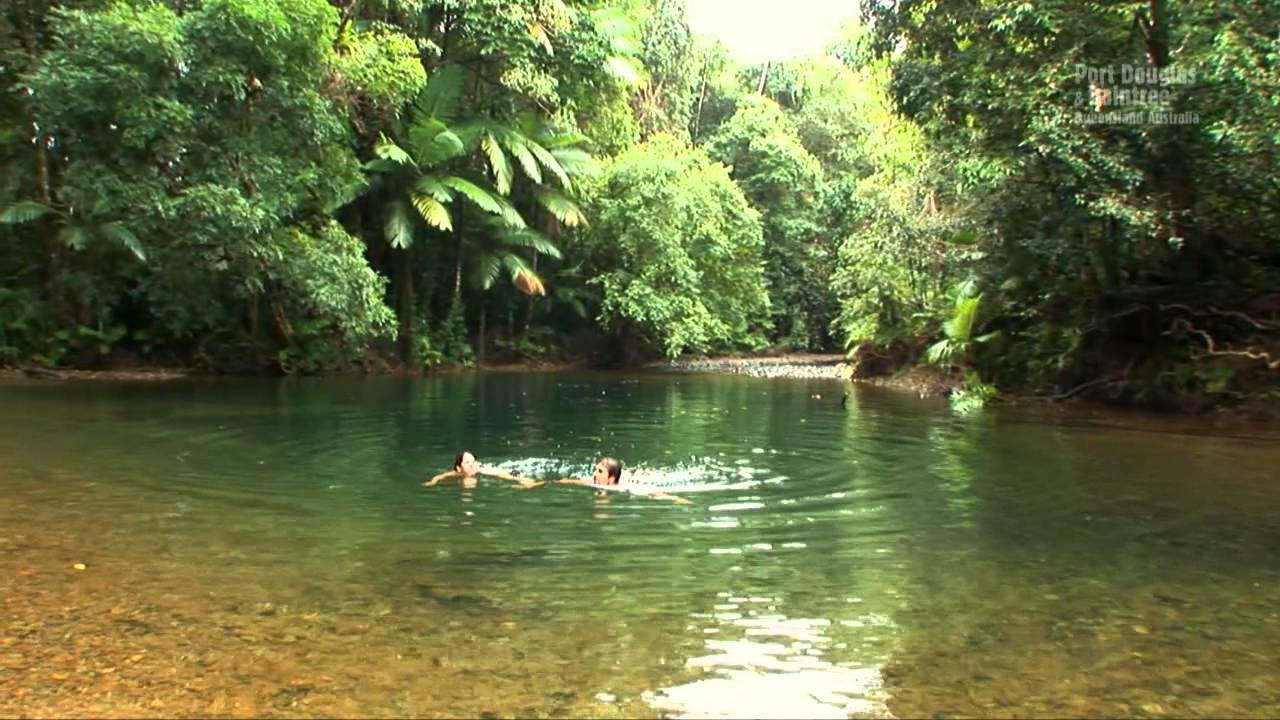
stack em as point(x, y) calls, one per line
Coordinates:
point(237, 547)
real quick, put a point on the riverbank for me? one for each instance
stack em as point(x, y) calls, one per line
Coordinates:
point(923, 381)
point(57, 375)
point(796, 366)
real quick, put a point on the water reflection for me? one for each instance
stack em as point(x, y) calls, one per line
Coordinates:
point(764, 664)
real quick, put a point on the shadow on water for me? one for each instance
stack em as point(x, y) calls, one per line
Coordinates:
point(266, 548)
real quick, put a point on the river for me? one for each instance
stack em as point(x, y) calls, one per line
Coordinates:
point(254, 547)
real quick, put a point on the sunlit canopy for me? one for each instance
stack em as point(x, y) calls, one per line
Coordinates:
point(755, 31)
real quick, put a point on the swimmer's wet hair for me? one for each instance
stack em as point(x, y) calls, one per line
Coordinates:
point(457, 460)
point(613, 468)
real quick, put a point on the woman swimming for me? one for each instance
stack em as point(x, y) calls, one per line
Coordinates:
point(466, 467)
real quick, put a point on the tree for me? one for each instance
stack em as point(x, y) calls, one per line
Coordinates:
point(221, 152)
point(677, 254)
point(784, 182)
point(1088, 222)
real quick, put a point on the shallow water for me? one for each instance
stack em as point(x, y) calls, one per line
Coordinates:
point(265, 548)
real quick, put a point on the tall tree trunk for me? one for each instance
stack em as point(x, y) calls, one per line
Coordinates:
point(702, 96)
point(457, 276)
point(484, 307)
point(53, 289)
point(253, 322)
point(528, 311)
point(406, 304)
point(764, 78)
point(457, 259)
point(1172, 174)
point(282, 320)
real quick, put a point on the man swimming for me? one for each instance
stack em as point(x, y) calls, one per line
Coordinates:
point(466, 467)
point(608, 474)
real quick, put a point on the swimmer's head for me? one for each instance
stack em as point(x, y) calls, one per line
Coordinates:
point(466, 464)
point(607, 472)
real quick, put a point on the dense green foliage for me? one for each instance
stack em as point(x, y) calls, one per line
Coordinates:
point(1136, 248)
point(678, 249)
point(294, 185)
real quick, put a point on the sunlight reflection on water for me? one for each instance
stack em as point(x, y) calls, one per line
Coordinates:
point(775, 671)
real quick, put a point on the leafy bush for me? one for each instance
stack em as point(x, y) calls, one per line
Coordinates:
point(677, 249)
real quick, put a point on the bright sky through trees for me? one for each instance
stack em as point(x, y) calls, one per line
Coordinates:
point(759, 30)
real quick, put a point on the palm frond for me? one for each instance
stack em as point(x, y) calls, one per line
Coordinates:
point(488, 267)
point(502, 173)
point(346, 194)
point(442, 95)
point(550, 162)
point(387, 149)
point(117, 232)
point(434, 186)
point(532, 239)
point(516, 265)
point(960, 326)
point(510, 215)
point(564, 209)
point(469, 134)
point(518, 145)
point(432, 143)
point(74, 236)
point(523, 276)
point(485, 200)
point(381, 166)
point(398, 229)
point(25, 212)
point(576, 161)
point(529, 284)
point(941, 352)
point(479, 196)
point(540, 34)
point(433, 213)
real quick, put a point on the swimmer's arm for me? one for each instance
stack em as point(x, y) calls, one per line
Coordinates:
point(440, 477)
point(524, 482)
point(673, 498)
point(574, 481)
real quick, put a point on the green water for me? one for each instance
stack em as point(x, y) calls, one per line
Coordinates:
point(266, 548)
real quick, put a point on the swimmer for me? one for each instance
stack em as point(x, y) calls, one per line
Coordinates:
point(608, 473)
point(466, 467)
